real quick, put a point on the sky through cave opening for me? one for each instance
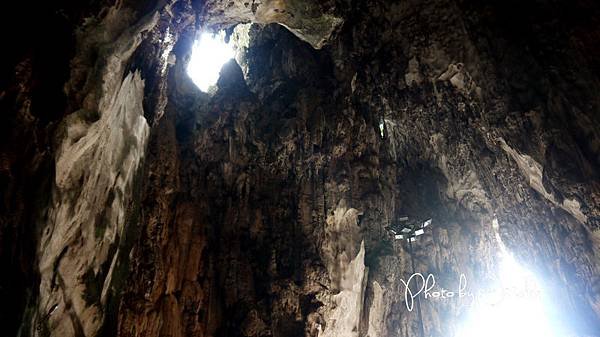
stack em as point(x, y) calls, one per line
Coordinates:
point(209, 53)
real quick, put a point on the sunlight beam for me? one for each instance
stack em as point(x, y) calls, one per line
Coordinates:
point(515, 308)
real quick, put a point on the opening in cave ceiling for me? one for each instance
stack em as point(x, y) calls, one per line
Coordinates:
point(209, 53)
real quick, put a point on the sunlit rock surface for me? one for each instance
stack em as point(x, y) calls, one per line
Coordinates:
point(96, 167)
point(312, 21)
point(135, 205)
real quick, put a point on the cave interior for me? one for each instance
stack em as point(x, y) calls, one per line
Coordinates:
point(265, 168)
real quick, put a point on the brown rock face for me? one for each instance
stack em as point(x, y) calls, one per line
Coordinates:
point(312, 21)
point(135, 205)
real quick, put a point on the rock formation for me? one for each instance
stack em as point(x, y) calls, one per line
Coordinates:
point(134, 204)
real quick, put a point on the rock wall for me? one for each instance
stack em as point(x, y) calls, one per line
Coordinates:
point(97, 160)
point(261, 210)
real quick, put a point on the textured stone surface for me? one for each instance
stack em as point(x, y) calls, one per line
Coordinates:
point(97, 159)
point(95, 169)
point(312, 21)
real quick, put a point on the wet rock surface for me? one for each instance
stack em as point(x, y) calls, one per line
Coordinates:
point(260, 210)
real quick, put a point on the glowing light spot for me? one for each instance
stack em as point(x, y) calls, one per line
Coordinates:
point(515, 309)
point(209, 54)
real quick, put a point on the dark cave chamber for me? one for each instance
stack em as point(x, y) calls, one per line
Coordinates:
point(135, 204)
